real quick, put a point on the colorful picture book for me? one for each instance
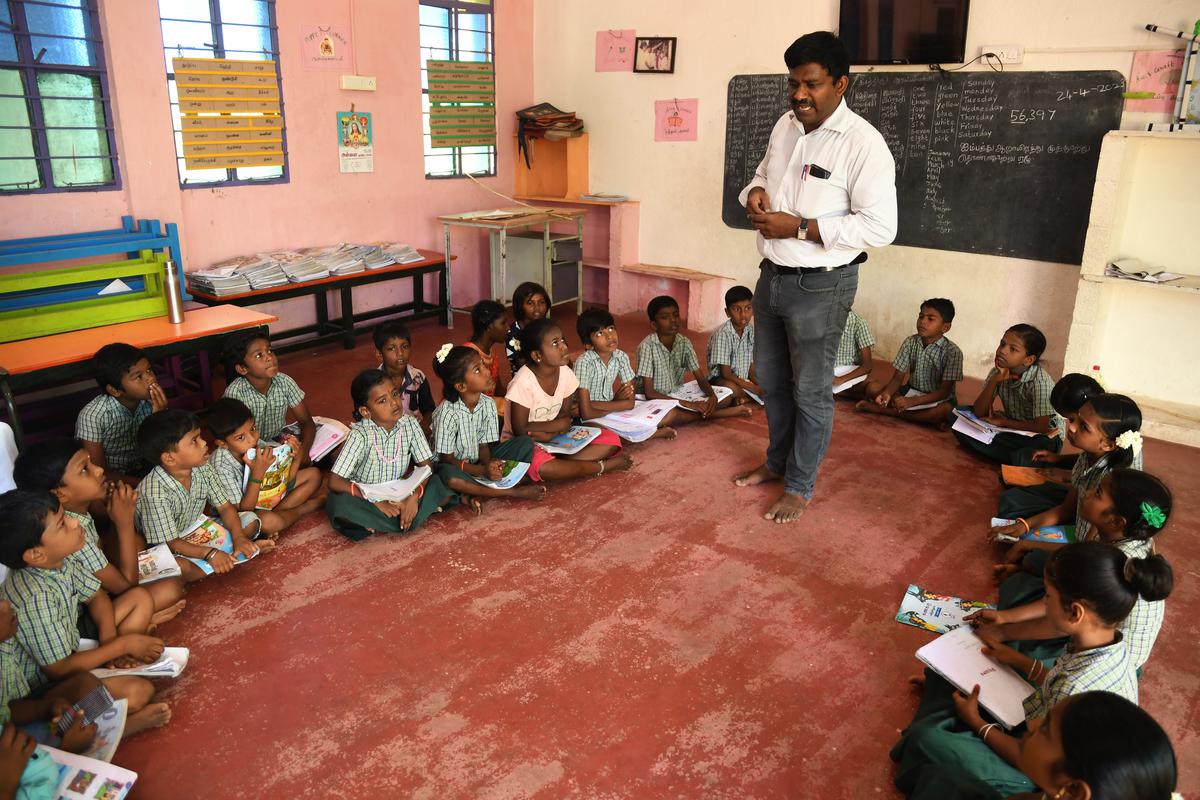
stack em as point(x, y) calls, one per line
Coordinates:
point(110, 726)
point(958, 657)
point(1055, 534)
point(691, 392)
point(571, 441)
point(937, 613)
point(510, 475)
point(846, 369)
point(85, 778)
point(967, 423)
point(330, 434)
point(156, 563)
point(638, 423)
point(170, 664)
point(397, 490)
point(207, 532)
point(274, 483)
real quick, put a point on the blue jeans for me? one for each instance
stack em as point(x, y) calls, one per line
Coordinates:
point(798, 322)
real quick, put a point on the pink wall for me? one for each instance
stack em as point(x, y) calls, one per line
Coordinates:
point(319, 205)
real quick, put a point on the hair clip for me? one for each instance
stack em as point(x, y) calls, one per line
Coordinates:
point(443, 351)
point(1153, 515)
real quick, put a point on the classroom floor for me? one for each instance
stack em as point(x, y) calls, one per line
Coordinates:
point(642, 635)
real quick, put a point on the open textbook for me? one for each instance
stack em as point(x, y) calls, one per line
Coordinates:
point(170, 664)
point(207, 532)
point(967, 423)
point(273, 486)
point(87, 778)
point(397, 490)
point(846, 369)
point(1056, 534)
point(638, 423)
point(958, 657)
point(156, 563)
point(510, 475)
point(691, 392)
point(937, 613)
point(571, 441)
point(330, 434)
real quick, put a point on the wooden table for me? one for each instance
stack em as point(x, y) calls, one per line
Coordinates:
point(344, 327)
point(37, 363)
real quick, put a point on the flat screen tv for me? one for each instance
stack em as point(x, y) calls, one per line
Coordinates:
point(905, 31)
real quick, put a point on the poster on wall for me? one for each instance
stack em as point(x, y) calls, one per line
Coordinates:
point(356, 153)
point(675, 120)
point(326, 48)
point(614, 50)
point(1156, 72)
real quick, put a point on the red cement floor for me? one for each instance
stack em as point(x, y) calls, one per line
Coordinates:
point(645, 635)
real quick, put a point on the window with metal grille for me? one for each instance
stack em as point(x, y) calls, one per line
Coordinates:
point(56, 130)
point(240, 29)
point(455, 30)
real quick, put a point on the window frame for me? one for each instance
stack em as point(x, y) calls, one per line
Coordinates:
point(29, 69)
point(455, 7)
point(219, 51)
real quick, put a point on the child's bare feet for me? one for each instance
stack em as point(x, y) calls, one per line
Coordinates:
point(154, 715)
point(667, 433)
point(529, 491)
point(616, 464)
point(167, 614)
point(475, 504)
point(265, 545)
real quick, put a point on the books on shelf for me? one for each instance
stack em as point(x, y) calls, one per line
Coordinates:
point(571, 441)
point(937, 613)
point(638, 423)
point(1054, 534)
point(273, 486)
point(603, 197)
point(397, 490)
point(958, 657)
point(156, 563)
point(510, 475)
point(330, 434)
point(967, 423)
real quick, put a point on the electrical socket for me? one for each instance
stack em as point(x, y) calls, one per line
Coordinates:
point(362, 83)
point(1007, 53)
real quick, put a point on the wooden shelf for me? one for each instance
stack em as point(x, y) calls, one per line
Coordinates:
point(572, 200)
point(1191, 283)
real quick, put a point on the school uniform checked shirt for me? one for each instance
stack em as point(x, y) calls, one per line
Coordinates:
point(114, 426)
point(736, 352)
point(855, 206)
point(666, 368)
point(269, 410)
point(855, 336)
point(47, 603)
point(458, 431)
point(1028, 397)
point(90, 555)
point(373, 455)
point(165, 510)
point(598, 378)
point(928, 366)
point(1140, 629)
point(1100, 669)
point(1086, 475)
point(13, 685)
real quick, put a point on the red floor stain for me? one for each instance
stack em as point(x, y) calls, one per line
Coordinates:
point(642, 635)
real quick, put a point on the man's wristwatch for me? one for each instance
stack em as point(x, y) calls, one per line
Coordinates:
point(802, 233)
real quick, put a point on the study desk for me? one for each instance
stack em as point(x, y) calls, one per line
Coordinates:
point(37, 363)
point(520, 219)
point(344, 327)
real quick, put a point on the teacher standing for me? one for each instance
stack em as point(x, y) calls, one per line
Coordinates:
point(825, 190)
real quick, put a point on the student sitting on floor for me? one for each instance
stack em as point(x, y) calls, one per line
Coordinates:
point(1090, 745)
point(1024, 391)
point(252, 370)
point(172, 496)
point(64, 468)
point(108, 425)
point(48, 591)
point(666, 356)
point(730, 353)
point(530, 302)
point(541, 403)
point(1090, 588)
point(489, 326)
point(1069, 395)
point(466, 430)
point(1127, 510)
point(606, 380)
point(926, 370)
point(382, 444)
point(236, 434)
point(854, 351)
point(393, 348)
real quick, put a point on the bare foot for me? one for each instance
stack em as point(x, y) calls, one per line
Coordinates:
point(532, 491)
point(474, 504)
point(754, 477)
point(864, 405)
point(154, 715)
point(917, 682)
point(617, 463)
point(265, 545)
point(167, 614)
point(667, 433)
point(788, 508)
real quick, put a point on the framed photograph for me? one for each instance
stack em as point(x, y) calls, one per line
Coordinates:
point(654, 54)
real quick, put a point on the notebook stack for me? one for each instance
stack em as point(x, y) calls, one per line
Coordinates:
point(337, 259)
point(262, 271)
point(218, 282)
point(297, 267)
point(373, 256)
point(401, 253)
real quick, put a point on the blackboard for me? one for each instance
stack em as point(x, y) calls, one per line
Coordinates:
point(986, 162)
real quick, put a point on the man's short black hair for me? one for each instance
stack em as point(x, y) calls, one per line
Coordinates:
point(944, 307)
point(386, 331)
point(23, 519)
point(819, 47)
point(161, 431)
point(737, 294)
point(659, 303)
point(592, 320)
point(40, 467)
point(227, 415)
point(112, 362)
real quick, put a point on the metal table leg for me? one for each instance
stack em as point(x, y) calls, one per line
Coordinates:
point(579, 266)
point(347, 318)
point(503, 288)
point(448, 313)
point(11, 403)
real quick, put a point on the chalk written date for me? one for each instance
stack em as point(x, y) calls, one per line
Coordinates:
point(1023, 116)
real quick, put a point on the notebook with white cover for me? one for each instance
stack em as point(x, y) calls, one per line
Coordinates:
point(957, 656)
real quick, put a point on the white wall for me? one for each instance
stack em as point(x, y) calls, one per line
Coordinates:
point(679, 183)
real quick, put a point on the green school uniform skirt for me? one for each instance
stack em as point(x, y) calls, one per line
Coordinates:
point(355, 517)
point(1028, 501)
point(519, 448)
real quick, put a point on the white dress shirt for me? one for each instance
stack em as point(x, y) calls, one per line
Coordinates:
point(855, 206)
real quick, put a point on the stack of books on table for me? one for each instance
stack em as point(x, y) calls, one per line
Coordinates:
point(402, 253)
point(262, 272)
point(218, 282)
point(297, 267)
point(335, 260)
point(373, 256)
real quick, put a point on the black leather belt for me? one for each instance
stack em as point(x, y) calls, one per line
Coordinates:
point(781, 270)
